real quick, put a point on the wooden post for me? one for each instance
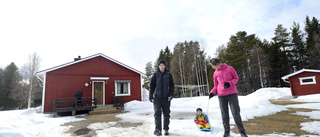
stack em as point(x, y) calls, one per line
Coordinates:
point(95, 102)
point(75, 103)
point(73, 112)
point(54, 108)
point(54, 104)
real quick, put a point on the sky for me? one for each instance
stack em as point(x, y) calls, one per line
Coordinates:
point(134, 32)
point(32, 123)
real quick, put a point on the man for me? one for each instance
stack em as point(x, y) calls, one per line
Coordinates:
point(161, 92)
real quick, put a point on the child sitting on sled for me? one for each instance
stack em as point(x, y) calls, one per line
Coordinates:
point(201, 120)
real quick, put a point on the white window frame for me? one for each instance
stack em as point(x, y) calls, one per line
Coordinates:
point(308, 83)
point(116, 91)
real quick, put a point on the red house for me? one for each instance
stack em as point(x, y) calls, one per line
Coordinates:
point(97, 76)
point(304, 82)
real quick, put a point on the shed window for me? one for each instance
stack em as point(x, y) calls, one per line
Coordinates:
point(122, 88)
point(308, 80)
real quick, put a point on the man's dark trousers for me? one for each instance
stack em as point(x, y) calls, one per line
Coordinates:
point(161, 105)
point(232, 100)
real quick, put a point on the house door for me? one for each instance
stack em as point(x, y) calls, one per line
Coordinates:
point(98, 92)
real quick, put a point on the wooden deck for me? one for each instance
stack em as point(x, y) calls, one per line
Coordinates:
point(73, 105)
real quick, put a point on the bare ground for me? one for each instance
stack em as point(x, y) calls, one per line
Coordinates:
point(80, 128)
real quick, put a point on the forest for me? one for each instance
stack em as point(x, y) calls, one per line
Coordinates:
point(258, 63)
point(20, 88)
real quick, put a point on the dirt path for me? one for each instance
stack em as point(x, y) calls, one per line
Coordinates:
point(81, 127)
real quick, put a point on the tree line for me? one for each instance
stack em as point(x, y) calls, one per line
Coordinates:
point(258, 63)
point(20, 88)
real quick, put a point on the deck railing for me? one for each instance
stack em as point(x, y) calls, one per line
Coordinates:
point(73, 104)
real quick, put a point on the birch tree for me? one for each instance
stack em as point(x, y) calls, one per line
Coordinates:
point(29, 71)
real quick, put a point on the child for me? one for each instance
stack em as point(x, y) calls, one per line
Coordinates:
point(201, 120)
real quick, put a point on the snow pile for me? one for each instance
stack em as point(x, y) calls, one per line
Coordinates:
point(28, 123)
point(271, 93)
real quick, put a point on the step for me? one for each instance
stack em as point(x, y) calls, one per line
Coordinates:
point(104, 112)
point(104, 109)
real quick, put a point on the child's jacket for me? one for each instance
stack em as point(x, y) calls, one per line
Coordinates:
point(200, 118)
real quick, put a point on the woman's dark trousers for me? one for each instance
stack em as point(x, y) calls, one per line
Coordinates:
point(233, 102)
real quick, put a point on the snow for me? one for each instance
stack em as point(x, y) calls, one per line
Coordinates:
point(31, 123)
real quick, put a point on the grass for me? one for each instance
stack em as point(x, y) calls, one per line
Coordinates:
point(281, 122)
point(286, 102)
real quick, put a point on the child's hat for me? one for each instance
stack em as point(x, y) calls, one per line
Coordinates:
point(199, 109)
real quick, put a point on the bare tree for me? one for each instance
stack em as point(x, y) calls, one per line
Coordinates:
point(29, 71)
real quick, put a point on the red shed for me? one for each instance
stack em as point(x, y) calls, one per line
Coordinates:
point(304, 82)
point(97, 76)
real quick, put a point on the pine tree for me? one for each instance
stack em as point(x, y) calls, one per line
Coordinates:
point(149, 73)
point(238, 53)
point(10, 85)
point(164, 55)
point(312, 29)
point(299, 47)
point(283, 51)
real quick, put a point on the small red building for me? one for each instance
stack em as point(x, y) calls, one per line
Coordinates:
point(97, 76)
point(304, 82)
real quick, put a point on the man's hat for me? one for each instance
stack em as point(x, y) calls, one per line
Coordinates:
point(162, 61)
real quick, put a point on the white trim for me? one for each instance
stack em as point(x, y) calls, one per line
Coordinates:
point(141, 81)
point(298, 72)
point(99, 78)
point(43, 91)
point(103, 90)
point(308, 83)
point(115, 88)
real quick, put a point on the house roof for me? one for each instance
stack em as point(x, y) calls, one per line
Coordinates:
point(87, 58)
point(298, 72)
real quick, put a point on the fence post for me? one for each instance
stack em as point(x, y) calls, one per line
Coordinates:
point(95, 102)
point(54, 108)
point(75, 103)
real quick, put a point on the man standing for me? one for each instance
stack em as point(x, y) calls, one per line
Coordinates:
point(161, 92)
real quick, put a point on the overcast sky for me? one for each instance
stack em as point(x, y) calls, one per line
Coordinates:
point(134, 31)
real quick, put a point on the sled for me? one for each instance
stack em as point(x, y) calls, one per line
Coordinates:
point(204, 129)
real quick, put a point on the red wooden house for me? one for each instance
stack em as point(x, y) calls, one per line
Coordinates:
point(97, 76)
point(304, 82)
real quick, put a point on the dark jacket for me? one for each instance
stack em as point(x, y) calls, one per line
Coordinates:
point(161, 85)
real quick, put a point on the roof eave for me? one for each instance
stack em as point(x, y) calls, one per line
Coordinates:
point(298, 72)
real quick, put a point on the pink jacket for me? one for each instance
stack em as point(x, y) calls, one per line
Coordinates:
point(220, 76)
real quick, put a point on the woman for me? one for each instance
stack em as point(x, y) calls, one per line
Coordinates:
point(225, 79)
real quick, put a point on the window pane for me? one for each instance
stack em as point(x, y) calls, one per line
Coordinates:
point(119, 88)
point(98, 87)
point(307, 80)
point(125, 88)
point(122, 87)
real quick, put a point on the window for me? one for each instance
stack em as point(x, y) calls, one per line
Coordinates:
point(122, 88)
point(308, 80)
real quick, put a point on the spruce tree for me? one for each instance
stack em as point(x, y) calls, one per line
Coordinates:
point(10, 82)
point(299, 47)
point(312, 29)
point(149, 73)
point(283, 50)
point(238, 53)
